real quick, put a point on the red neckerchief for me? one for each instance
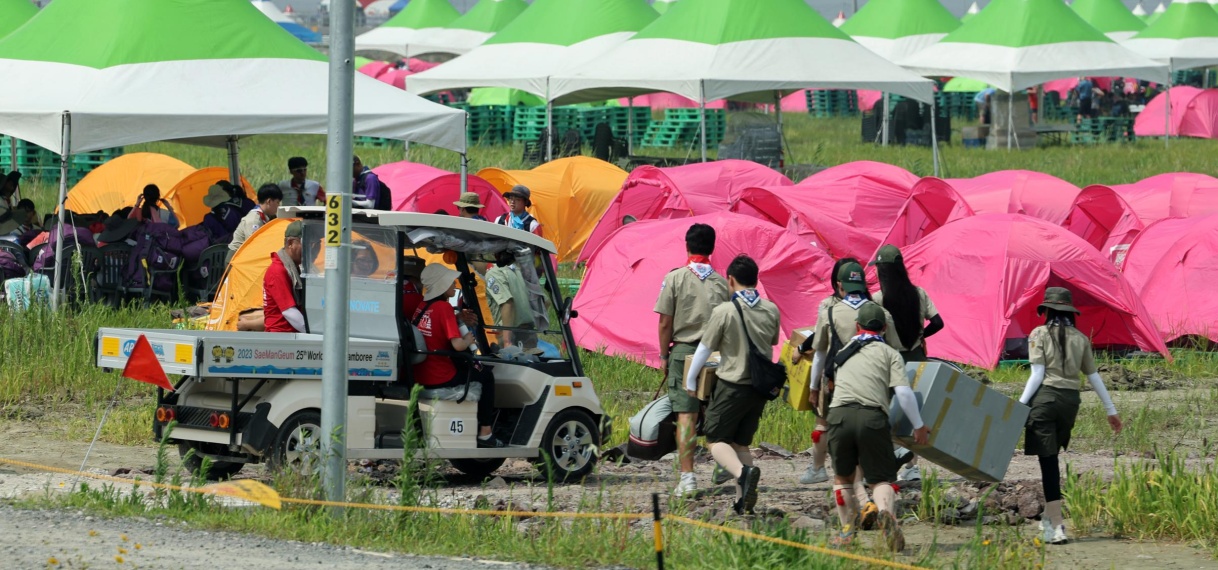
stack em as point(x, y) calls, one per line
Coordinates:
point(262, 215)
point(300, 192)
point(700, 266)
point(699, 259)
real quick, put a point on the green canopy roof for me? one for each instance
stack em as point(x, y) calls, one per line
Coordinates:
point(568, 22)
point(662, 6)
point(1183, 19)
point(720, 22)
point(489, 15)
point(893, 19)
point(419, 14)
point(503, 96)
point(85, 34)
point(1025, 23)
point(13, 13)
point(969, 14)
point(1108, 16)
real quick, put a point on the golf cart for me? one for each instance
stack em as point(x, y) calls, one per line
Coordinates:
point(254, 397)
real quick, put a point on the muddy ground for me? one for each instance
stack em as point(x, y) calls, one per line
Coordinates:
point(628, 487)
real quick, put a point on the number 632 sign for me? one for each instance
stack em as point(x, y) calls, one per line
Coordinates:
point(334, 229)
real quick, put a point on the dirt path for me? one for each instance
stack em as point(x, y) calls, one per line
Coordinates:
point(627, 487)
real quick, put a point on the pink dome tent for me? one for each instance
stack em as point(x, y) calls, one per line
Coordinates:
point(1018, 192)
point(426, 189)
point(1194, 113)
point(1104, 220)
point(988, 291)
point(651, 193)
point(1174, 265)
point(845, 210)
point(931, 205)
point(1172, 195)
point(375, 69)
point(617, 295)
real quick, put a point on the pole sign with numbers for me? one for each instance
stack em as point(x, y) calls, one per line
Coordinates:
point(334, 229)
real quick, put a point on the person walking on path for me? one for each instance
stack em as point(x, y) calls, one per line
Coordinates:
point(735, 409)
point(1058, 353)
point(687, 295)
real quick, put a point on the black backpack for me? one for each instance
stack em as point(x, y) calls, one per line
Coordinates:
point(384, 201)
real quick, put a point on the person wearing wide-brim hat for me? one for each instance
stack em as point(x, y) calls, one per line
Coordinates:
point(1058, 353)
point(117, 228)
point(470, 206)
point(438, 324)
point(519, 199)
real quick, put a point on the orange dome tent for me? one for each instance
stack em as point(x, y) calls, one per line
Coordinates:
point(569, 197)
point(187, 195)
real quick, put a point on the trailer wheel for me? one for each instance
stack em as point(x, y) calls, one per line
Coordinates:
point(298, 444)
point(193, 462)
point(570, 445)
point(478, 468)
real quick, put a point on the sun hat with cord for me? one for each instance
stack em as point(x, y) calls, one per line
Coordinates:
point(1057, 298)
point(436, 280)
point(469, 200)
point(216, 195)
point(522, 191)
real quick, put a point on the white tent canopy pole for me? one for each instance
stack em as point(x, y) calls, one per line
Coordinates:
point(63, 197)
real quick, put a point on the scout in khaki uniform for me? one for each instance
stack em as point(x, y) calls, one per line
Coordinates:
point(686, 298)
point(507, 297)
point(734, 413)
point(1058, 353)
point(914, 316)
point(859, 433)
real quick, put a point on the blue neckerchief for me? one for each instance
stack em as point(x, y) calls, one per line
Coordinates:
point(750, 296)
point(518, 222)
point(855, 300)
point(866, 337)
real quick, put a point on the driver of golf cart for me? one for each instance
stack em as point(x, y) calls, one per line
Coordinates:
point(448, 372)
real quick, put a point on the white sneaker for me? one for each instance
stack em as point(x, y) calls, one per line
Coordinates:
point(813, 476)
point(1059, 535)
point(1046, 531)
point(688, 487)
point(720, 475)
point(910, 473)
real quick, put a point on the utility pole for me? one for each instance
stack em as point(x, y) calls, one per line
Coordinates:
point(337, 241)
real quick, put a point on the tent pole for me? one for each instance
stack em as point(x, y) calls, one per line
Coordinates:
point(549, 138)
point(778, 116)
point(884, 123)
point(64, 153)
point(934, 136)
point(464, 172)
point(702, 116)
point(234, 169)
point(1010, 119)
point(1167, 115)
point(630, 126)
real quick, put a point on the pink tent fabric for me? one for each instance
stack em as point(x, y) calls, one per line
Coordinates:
point(1194, 113)
point(426, 189)
point(1173, 195)
point(1104, 220)
point(868, 99)
point(618, 293)
point(1063, 87)
point(795, 103)
point(1018, 192)
point(651, 193)
point(845, 210)
point(988, 292)
point(660, 100)
point(376, 68)
point(1174, 264)
point(931, 205)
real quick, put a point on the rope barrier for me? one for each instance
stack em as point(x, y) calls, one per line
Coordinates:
point(656, 516)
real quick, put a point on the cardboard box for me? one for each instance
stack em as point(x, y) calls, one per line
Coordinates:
point(973, 429)
point(706, 378)
point(796, 390)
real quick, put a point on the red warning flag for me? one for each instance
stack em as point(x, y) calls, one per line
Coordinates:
point(143, 365)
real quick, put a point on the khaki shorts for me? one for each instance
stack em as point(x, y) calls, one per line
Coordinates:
point(734, 414)
point(861, 436)
point(682, 402)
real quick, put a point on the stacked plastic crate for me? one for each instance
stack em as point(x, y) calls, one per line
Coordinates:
point(528, 123)
point(833, 103)
point(682, 126)
point(489, 124)
point(35, 162)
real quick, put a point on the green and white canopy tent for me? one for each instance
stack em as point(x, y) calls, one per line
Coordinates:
point(972, 11)
point(400, 34)
point(1139, 11)
point(1110, 17)
point(896, 29)
point(749, 50)
point(469, 31)
point(96, 75)
point(1185, 37)
point(1158, 11)
point(662, 6)
point(549, 36)
point(14, 13)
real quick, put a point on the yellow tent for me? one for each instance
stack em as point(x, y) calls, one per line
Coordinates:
point(569, 197)
point(117, 183)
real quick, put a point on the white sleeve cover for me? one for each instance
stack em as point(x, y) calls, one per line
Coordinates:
point(1097, 384)
point(695, 367)
point(1034, 382)
point(818, 368)
point(362, 203)
point(295, 318)
point(909, 405)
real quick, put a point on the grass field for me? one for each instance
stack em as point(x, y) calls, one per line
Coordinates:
point(47, 375)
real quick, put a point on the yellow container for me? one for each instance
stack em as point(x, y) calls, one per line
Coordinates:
point(797, 374)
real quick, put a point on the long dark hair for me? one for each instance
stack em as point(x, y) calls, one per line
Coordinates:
point(152, 196)
point(902, 300)
point(1060, 320)
point(837, 265)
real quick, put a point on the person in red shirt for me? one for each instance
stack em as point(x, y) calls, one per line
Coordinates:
point(412, 284)
point(438, 323)
point(282, 289)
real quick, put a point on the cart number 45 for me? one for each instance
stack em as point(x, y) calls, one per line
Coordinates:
point(456, 427)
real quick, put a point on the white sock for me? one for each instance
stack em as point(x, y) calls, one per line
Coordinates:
point(847, 507)
point(860, 488)
point(820, 449)
point(744, 456)
point(885, 498)
point(687, 477)
point(726, 455)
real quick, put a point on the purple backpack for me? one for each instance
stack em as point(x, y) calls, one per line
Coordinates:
point(10, 267)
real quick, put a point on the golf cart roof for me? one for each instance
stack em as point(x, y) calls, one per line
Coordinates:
point(409, 222)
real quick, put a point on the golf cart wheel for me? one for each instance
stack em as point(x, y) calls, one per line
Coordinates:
point(570, 445)
point(478, 468)
point(298, 444)
point(193, 462)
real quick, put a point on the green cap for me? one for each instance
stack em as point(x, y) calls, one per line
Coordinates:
point(871, 317)
point(851, 277)
point(887, 254)
point(294, 230)
point(1057, 298)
